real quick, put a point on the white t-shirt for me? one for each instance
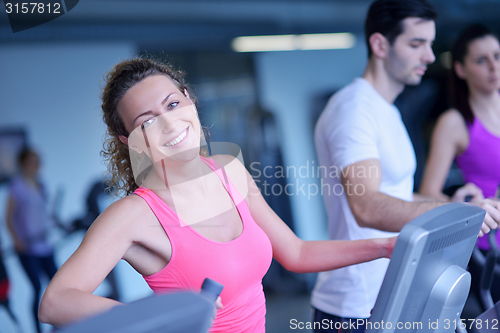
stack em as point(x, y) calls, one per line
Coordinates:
point(358, 124)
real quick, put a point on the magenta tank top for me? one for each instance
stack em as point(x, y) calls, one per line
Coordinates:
point(480, 164)
point(239, 264)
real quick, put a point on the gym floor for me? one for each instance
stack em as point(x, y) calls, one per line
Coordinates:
point(286, 311)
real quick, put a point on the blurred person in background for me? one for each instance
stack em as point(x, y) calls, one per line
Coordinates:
point(469, 132)
point(29, 222)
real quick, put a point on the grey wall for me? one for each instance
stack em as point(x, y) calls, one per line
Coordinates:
point(52, 90)
point(288, 84)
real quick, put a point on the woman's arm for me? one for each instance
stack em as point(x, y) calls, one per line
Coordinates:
point(449, 138)
point(301, 256)
point(69, 297)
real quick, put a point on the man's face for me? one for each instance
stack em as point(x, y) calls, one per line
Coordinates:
point(411, 51)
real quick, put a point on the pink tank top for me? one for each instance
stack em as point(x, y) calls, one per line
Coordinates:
point(239, 264)
point(480, 164)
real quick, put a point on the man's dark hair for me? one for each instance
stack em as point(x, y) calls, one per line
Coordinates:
point(386, 16)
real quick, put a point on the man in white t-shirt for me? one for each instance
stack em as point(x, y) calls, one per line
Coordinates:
point(361, 133)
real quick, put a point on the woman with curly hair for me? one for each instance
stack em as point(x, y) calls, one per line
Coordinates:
point(185, 216)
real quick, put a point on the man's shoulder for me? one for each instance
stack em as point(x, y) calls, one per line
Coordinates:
point(348, 105)
point(355, 97)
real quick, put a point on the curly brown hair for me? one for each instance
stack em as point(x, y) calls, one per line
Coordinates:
point(118, 81)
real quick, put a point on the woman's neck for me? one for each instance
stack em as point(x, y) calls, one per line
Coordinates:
point(167, 173)
point(180, 184)
point(485, 104)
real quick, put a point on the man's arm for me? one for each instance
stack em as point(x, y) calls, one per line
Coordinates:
point(417, 197)
point(374, 209)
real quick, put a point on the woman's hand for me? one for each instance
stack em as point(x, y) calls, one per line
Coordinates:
point(218, 303)
point(468, 190)
point(388, 247)
point(492, 218)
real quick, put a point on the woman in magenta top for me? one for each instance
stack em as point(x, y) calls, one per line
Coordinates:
point(470, 131)
point(185, 217)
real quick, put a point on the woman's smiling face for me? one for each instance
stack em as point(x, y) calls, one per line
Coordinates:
point(161, 120)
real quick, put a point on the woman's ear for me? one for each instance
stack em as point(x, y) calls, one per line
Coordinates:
point(379, 45)
point(458, 67)
point(125, 140)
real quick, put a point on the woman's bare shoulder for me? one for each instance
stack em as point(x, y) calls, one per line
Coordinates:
point(451, 126)
point(452, 118)
point(129, 203)
point(124, 211)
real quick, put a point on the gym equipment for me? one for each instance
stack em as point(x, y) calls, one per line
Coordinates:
point(181, 312)
point(426, 284)
point(488, 321)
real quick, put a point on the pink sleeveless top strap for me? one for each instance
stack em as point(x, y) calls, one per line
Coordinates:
point(239, 264)
point(480, 164)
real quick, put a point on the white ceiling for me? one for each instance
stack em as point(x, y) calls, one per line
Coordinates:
point(185, 25)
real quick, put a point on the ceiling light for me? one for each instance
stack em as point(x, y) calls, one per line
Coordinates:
point(333, 41)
